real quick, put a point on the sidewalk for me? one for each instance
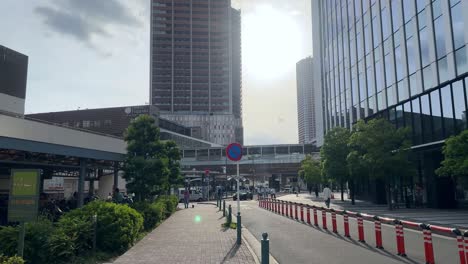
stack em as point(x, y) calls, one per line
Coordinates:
point(450, 218)
point(191, 235)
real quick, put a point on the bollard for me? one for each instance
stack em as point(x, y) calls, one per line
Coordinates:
point(461, 251)
point(229, 215)
point(315, 216)
point(360, 228)
point(291, 210)
point(217, 202)
point(282, 208)
point(239, 229)
point(400, 239)
point(346, 224)
point(276, 206)
point(287, 211)
point(295, 211)
point(324, 218)
point(308, 214)
point(378, 233)
point(265, 249)
point(334, 227)
point(465, 236)
point(220, 207)
point(224, 208)
point(302, 212)
point(428, 249)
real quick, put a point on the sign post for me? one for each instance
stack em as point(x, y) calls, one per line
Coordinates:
point(234, 153)
point(23, 203)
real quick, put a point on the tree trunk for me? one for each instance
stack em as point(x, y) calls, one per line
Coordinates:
point(389, 196)
point(342, 189)
point(352, 190)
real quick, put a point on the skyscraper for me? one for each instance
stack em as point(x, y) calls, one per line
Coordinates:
point(405, 61)
point(195, 73)
point(13, 76)
point(305, 101)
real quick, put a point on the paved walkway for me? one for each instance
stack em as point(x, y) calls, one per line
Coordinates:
point(191, 235)
point(451, 218)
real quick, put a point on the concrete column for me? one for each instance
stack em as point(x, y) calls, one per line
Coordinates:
point(81, 182)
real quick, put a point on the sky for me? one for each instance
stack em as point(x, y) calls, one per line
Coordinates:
point(95, 54)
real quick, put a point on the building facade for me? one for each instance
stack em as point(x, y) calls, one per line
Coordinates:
point(13, 76)
point(405, 61)
point(305, 101)
point(195, 67)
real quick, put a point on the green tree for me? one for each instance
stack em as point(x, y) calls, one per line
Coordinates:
point(333, 153)
point(382, 150)
point(173, 154)
point(455, 163)
point(310, 172)
point(148, 165)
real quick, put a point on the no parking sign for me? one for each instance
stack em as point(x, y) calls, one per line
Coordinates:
point(234, 151)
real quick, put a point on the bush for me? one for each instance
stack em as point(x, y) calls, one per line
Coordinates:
point(79, 230)
point(152, 213)
point(8, 240)
point(61, 247)
point(35, 240)
point(171, 202)
point(11, 260)
point(118, 225)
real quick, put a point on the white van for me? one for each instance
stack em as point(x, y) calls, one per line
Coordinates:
point(195, 195)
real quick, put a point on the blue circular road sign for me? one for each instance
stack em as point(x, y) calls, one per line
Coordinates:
point(234, 151)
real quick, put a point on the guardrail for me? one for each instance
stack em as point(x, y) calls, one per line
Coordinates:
point(281, 207)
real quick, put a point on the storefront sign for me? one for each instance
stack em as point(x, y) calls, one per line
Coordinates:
point(24, 195)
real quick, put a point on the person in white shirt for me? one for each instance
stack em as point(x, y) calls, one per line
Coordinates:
point(327, 195)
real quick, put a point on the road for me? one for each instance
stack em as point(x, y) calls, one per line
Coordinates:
point(295, 242)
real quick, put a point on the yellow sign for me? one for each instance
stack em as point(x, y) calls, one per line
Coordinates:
point(24, 195)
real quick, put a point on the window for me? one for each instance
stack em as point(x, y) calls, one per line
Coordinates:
point(381, 102)
point(423, 42)
point(462, 65)
point(417, 131)
point(403, 90)
point(436, 115)
point(420, 5)
point(428, 78)
point(443, 70)
point(414, 87)
point(396, 15)
point(459, 105)
point(391, 95)
point(447, 110)
point(426, 118)
point(379, 75)
point(440, 37)
point(399, 63)
point(389, 71)
point(386, 28)
point(413, 63)
point(436, 9)
point(86, 123)
point(458, 26)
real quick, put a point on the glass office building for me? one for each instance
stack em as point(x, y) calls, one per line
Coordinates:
point(403, 60)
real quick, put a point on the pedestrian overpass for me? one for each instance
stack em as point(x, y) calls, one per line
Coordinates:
point(272, 165)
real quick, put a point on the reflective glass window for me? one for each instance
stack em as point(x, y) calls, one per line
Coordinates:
point(424, 43)
point(420, 5)
point(408, 115)
point(436, 9)
point(381, 101)
point(408, 9)
point(440, 37)
point(436, 115)
point(447, 109)
point(391, 95)
point(376, 32)
point(403, 90)
point(389, 70)
point(411, 54)
point(386, 26)
point(459, 105)
point(370, 82)
point(399, 116)
point(454, 2)
point(426, 118)
point(417, 131)
point(399, 63)
point(422, 19)
point(379, 75)
point(372, 105)
point(443, 70)
point(357, 5)
point(396, 15)
point(428, 78)
point(462, 65)
point(410, 28)
point(414, 87)
point(458, 26)
point(367, 39)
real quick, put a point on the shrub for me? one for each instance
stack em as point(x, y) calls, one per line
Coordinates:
point(171, 202)
point(61, 247)
point(79, 230)
point(118, 225)
point(11, 260)
point(8, 240)
point(35, 240)
point(152, 213)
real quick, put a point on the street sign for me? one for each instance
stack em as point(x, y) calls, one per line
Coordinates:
point(24, 195)
point(234, 151)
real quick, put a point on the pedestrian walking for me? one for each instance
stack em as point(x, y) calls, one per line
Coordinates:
point(186, 198)
point(327, 195)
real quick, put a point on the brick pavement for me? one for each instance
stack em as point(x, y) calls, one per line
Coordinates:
point(182, 239)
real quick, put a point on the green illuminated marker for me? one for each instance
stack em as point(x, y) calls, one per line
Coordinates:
point(197, 219)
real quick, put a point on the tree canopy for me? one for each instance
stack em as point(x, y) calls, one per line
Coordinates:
point(310, 171)
point(151, 166)
point(455, 150)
